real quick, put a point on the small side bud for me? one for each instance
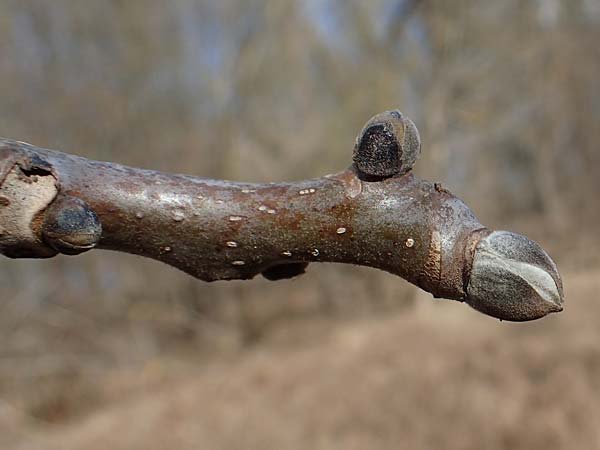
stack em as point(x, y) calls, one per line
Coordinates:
point(284, 271)
point(70, 226)
point(388, 145)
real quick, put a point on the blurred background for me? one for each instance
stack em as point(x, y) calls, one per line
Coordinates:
point(113, 351)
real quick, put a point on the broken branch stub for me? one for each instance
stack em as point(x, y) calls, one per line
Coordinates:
point(376, 213)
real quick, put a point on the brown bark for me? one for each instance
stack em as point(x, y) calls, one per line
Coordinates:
point(221, 230)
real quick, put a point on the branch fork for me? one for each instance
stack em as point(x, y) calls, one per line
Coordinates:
point(376, 213)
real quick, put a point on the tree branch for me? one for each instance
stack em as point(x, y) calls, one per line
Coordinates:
point(376, 213)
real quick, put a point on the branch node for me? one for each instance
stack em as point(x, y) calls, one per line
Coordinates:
point(24, 195)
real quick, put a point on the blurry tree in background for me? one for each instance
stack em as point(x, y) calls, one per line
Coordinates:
point(506, 96)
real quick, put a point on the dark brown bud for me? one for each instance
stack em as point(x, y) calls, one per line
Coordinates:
point(388, 145)
point(284, 271)
point(71, 226)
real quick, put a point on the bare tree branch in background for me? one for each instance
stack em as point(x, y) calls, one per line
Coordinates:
point(375, 213)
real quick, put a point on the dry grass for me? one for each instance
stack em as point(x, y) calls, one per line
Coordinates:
point(441, 376)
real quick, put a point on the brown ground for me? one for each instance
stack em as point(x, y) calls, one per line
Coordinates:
point(441, 376)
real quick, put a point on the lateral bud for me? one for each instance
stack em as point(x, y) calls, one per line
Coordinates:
point(70, 226)
point(388, 145)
